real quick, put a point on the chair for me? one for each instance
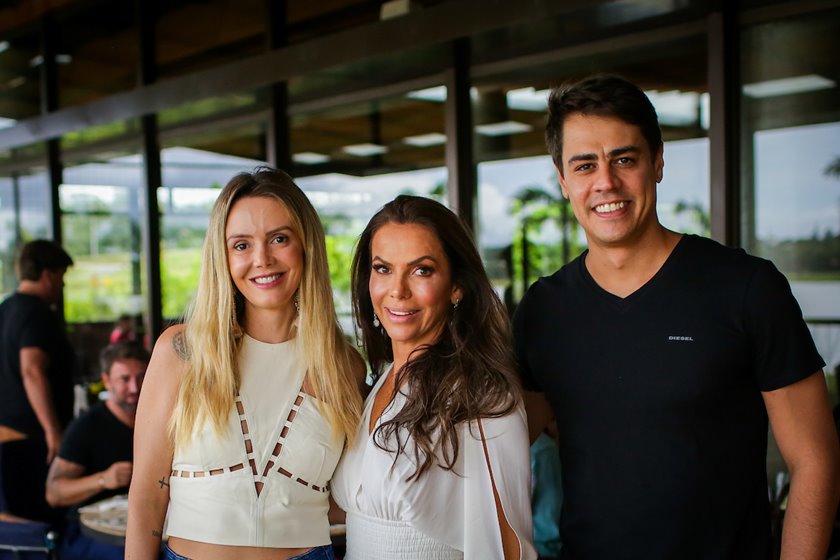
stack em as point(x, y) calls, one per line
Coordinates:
point(31, 540)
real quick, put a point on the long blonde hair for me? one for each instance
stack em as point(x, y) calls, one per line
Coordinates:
point(213, 333)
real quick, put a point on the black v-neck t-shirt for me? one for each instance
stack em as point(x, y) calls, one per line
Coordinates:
point(663, 429)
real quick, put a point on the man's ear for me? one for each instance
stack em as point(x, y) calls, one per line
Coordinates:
point(106, 381)
point(562, 181)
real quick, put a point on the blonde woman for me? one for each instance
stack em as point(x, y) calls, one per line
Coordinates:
point(246, 407)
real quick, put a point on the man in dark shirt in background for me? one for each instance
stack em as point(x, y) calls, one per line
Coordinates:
point(662, 356)
point(95, 460)
point(36, 380)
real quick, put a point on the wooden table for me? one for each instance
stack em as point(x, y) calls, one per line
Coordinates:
point(106, 519)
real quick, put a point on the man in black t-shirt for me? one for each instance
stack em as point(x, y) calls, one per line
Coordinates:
point(95, 460)
point(36, 380)
point(662, 356)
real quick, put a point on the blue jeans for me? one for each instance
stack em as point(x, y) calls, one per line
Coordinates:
point(318, 553)
point(78, 546)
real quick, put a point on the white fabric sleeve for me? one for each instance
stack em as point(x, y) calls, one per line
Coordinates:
point(508, 455)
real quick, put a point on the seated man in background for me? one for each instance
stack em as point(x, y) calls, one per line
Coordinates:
point(96, 452)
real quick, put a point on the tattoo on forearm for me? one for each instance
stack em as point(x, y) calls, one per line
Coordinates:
point(156, 533)
point(163, 482)
point(179, 344)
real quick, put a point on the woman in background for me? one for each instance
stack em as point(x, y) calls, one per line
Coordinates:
point(440, 466)
point(245, 408)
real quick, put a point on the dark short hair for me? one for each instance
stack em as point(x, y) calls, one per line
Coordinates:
point(601, 95)
point(40, 255)
point(126, 350)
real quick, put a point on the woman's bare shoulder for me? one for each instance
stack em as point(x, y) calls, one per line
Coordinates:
point(172, 343)
point(169, 356)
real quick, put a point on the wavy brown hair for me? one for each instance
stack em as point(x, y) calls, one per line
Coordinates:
point(468, 372)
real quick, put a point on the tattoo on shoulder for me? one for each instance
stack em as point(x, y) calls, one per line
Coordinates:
point(179, 344)
point(156, 533)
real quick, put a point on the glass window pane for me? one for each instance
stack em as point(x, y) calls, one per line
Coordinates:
point(527, 229)
point(102, 207)
point(8, 235)
point(24, 207)
point(791, 164)
point(24, 215)
point(195, 167)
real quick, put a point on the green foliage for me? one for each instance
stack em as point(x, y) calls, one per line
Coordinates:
point(698, 214)
point(98, 133)
point(534, 206)
point(340, 256)
point(805, 259)
point(97, 287)
point(205, 107)
point(179, 270)
point(177, 235)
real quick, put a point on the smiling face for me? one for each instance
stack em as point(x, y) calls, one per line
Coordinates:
point(410, 285)
point(265, 256)
point(609, 175)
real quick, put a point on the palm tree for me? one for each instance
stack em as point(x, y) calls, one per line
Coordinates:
point(536, 205)
point(696, 210)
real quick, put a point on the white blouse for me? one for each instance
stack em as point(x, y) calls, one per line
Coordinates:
point(277, 440)
point(445, 511)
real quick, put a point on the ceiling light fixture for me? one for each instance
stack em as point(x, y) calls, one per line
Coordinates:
point(363, 150)
point(310, 158)
point(437, 94)
point(38, 59)
point(788, 86)
point(527, 99)
point(504, 128)
point(425, 140)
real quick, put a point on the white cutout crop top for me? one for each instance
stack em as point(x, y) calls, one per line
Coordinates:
point(277, 441)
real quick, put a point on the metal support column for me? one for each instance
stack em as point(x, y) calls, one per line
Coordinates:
point(278, 142)
point(462, 188)
point(152, 173)
point(49, 103)
point(724, 62)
